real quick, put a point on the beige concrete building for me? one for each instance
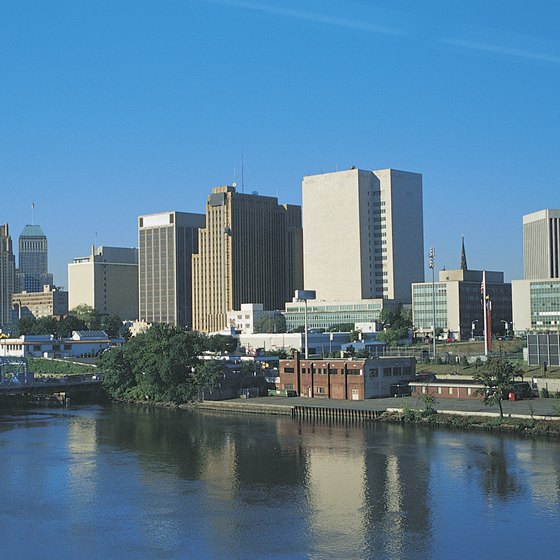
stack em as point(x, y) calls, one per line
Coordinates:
point(166, 242)
point(106, 280)
point(249, 252)
point(536, 305)
point(7, 276)
point(48, 303)
point(363, 234)
point(541, 244)
point(247, 319)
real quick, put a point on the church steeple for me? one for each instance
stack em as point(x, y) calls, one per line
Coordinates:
point(463, 254)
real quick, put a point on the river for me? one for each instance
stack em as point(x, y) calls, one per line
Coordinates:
point(124, 482)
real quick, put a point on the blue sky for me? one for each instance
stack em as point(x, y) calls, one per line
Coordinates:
point(114, 108)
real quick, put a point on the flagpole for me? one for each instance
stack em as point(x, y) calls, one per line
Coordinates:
point(485, 312)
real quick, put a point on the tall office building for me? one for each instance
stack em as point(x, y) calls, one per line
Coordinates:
point(541, 244)
point(363, 234)
point(249, 252)
point(107, 280)
point(33, 271)
point(7, 276)
point(166, 244)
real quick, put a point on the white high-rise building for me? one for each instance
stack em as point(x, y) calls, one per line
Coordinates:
point(363, 235)
point(541, 244)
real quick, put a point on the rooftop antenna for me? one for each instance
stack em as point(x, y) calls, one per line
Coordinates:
point(242, 173)
point(32, 213)
point(234, 184)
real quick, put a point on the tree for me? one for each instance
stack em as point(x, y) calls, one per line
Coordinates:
point(68, 324)
point(207, 375)
point(221, 343)
point(158, 364)
point(118, 371)
point(46, 325)
point(354, 336)
point(88, 315)
point(396, 323)
point(26, 325)
point(270, 324)
point(341, 327)
point(112, 325)
point(497, 377)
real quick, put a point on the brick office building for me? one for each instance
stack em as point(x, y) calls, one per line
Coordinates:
point(344, 379)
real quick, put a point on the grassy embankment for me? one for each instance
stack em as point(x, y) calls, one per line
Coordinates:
point(56, 368)
point(511, 349)
point(524, 426)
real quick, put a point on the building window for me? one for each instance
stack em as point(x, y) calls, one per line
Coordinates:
point(387, 372)
point(450, 390)
point(289, 370)
point(289, 386)
point(373, 372)
point(469, 391)
point(333, 371)
point(320, 390)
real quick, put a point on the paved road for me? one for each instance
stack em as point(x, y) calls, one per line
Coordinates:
point(537, 406)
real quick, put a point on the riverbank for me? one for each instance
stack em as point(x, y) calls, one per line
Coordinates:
point(529, 417)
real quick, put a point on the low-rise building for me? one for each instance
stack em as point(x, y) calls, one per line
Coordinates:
point(325, 314)
point(252, 317)
point(342, 378)
point(81, 344)
point(318, 342)
point(50, 302)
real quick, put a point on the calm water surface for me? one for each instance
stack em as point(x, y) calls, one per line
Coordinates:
point(137, 483)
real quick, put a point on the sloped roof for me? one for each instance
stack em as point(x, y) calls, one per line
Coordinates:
point(32, 231)
point(81, 335)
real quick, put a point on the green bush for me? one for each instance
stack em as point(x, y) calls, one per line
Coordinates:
point(544, 393)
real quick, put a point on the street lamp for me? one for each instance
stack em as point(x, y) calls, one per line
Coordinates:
point(473, 325)
point(506, 325)
point(304, 295)
point(431, 264)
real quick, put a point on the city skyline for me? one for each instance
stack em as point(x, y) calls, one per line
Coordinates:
point(116, 110)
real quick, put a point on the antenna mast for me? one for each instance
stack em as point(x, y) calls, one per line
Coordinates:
point(242, 173)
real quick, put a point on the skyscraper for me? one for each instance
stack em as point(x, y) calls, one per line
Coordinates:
point(541, 244)
point(166, 242)
point(249, 252)
point(33, 270)
point(7, 276)
point(363, 234)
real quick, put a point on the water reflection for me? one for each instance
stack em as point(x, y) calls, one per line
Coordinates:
point(180, 484)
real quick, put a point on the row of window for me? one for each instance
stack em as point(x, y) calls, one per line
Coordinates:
point(325, 371)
